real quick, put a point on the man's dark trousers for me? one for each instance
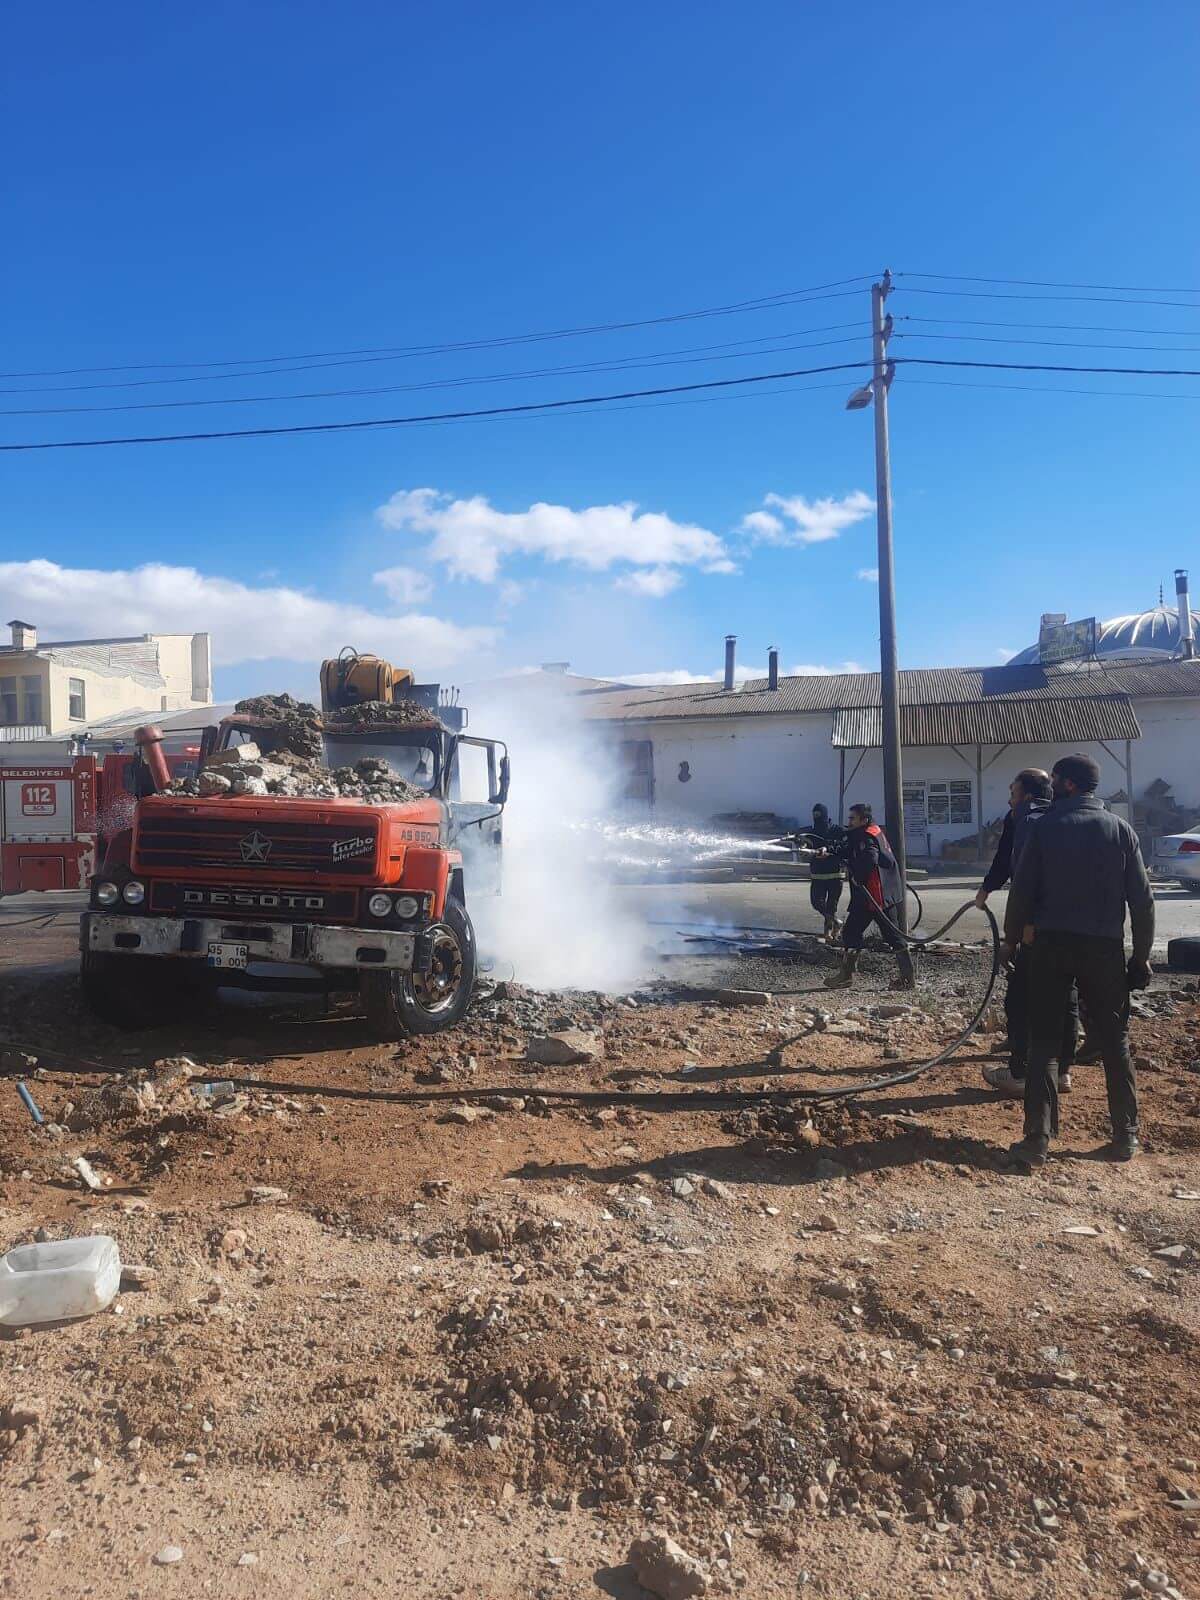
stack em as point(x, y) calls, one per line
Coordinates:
point(863, 911)
point(824, 894)
point(1097, 966)
point(1016, 1013)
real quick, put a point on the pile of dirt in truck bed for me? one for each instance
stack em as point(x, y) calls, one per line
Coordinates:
point(288, 758)
point(245, 771)
point(296, 723)
point(373, 713)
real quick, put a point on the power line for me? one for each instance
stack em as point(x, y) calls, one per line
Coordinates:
point(1039, 283)
point(761, 303)
point(321, 366)
point(1049, 327)
point(1047, 388)
point(442, 416)
point(579, 401)
point(1034, 366)
point(1056, 344)
point(1091, 300)
point(649, 361)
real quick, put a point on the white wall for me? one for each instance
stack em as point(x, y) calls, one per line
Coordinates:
point(778, 763)
point(785, 763)
point(1169, 748)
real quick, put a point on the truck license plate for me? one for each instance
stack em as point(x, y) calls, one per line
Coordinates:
point(227, 955)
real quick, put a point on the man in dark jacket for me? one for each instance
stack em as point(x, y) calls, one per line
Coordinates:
point(1080, 868)
point(1029, 797)
point(825, 869)
point(876, 895)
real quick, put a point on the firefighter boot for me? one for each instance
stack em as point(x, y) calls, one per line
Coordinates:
point(907, 978)
point(844, 976)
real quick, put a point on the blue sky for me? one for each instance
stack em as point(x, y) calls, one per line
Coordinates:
point(247, 182)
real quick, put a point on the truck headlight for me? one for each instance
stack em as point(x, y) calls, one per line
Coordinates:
point(133, 893)
point(407, 905)
point(107, 894)
point(380, 905)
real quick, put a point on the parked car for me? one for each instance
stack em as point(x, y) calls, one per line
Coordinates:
point(1177, 855)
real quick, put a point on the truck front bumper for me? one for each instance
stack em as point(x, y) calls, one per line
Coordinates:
point(294, 943)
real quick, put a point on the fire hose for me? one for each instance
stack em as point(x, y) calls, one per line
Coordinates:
point(646, 1100)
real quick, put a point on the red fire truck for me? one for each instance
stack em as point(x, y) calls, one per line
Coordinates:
point(56, 814)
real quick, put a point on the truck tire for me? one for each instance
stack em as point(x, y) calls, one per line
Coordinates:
point(403, 1003)
point(130, 992)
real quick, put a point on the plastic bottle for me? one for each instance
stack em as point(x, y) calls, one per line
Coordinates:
point(64, 1278)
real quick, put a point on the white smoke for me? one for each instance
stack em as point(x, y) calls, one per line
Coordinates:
point(560, 922)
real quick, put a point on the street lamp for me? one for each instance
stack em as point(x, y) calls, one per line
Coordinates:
point(876, 392)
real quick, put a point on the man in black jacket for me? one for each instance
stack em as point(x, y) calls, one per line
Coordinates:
point(876, 895)
point(825, 870)
point(1029, 797)
point(1080, 868)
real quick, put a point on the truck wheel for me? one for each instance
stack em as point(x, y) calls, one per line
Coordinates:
point(402, 1003)
point(129, 992)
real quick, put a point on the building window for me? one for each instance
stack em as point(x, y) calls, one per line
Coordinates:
point(76, 699)
point(31, 693)
point(8, 701)
point(952, 804)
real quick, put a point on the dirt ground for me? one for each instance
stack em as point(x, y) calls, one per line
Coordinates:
point(477, 1348)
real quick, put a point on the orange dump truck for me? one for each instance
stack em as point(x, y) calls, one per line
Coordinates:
point(295, 892)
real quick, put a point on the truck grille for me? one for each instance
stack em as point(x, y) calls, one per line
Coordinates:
point(253, 849)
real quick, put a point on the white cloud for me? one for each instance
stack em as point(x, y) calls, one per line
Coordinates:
point(654, 581)
point(247, 623)
point(763, 525)
point(407, 586)
point(741, 674)
point(1005, 653)
point(472, 539)
point(869, 574)
point(803, 521)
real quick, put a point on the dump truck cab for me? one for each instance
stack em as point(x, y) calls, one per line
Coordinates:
point(239, 886)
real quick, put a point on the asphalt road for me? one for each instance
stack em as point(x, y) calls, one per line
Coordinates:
point(786, 905)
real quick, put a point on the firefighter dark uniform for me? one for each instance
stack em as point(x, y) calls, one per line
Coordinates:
point(876, 895)
point(825, 869)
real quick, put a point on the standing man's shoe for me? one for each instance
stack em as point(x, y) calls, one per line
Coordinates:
point(1029, 1152)
point(1002, 1079)
point(1088, 1054)
point(1064, 1080)
point(1124, 1147)
point(844, 976)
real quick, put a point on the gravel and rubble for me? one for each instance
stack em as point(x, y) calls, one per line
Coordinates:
point(553, 1350)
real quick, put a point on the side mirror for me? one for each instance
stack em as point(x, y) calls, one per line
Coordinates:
point(501, 795)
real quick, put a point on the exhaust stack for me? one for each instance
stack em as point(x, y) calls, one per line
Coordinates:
point(1187, 640)
point(730, 657)
point(773, 668)
point(148, 740)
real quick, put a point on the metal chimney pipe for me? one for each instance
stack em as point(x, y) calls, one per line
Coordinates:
point(730, 655)
point(1187, 640)
point(773, 668)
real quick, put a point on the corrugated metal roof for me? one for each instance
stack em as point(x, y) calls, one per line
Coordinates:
point(928, 686)
point(1078, 720)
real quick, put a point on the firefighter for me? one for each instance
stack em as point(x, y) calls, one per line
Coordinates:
point(876, 895)
point(825, 870)
point(1029, 798)
point(1080, 870)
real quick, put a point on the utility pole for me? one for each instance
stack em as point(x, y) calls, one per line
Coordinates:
point(889, 674)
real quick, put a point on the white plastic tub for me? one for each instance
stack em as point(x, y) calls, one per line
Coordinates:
point(64, 1278)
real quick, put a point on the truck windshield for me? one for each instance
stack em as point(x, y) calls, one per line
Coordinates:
point(413, 757)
